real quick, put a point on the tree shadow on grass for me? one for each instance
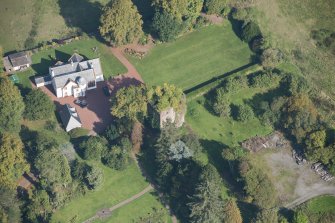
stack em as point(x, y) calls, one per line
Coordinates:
point(81, 14)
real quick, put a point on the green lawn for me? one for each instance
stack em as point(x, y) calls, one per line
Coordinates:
point(138, 208)
point(42, 60)
point(321, 204)
point(194, 58)
point(117, 186)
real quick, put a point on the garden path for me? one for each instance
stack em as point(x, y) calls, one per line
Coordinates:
point(132, 72)
point(104, 213)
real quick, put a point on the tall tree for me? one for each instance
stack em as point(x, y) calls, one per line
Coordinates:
point(121, 22)
point(176, 8)
point(168, 95)
point(206, 204)
point(11, 106)
point(166, 26)
point(9, 205)
point(39, 208)
point(38, 105)
point(266, 216)
point(53, 167)
point(12, 161)
point(232, 213)
point(215, 6)
point(168, 136)
point(130, 102)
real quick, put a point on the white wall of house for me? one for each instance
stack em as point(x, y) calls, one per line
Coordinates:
point(99, 78)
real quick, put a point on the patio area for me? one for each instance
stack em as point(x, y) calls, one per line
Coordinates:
point(95, 116)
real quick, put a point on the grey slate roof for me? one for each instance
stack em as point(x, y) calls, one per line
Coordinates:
point(70, 117)
point(61, 80)
point(75, 58)
point(43, 79)
point(19, 59)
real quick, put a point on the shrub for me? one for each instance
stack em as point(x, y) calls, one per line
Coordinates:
point(93, 147)
point(200, 22)
point(264, 79)
point(222, 104)
point(271, 57)
point(166, 26)
point(235, 84)
point(250, 31)
point(116, 158)
point(94, 177)
point(215, 6)
point(244, 113)
point(38, 105)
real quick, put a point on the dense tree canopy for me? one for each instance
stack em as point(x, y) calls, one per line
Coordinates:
point(215, 6)
point(244, 113)
point(53, 167)
point(11, 106)
point(168, 95)
point(12, 160)
point(231, 212)
point(301, 116)
point(38, 105)
point(166, 26)
point(120, 22)
point(258, 185)
point(9, 205)
point(221, 105)
point(93, 147)
point(130, 102)
point(206, 204)
point(176, 8)
point(40, 207)
point(250, 31)
point(266, 216)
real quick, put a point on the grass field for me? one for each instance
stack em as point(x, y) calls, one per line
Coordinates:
point(138, 208)
point(289, 25)
point(194, 58)
point(322, 204)
point(320, 209)
point(224, 130)
point(45, 20)
point(44, 59)
point(117, 186)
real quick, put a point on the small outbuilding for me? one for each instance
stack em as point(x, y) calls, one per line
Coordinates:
point(17, 62)
point(70, 118)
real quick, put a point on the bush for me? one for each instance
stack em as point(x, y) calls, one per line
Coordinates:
point(116, 158)
point(94, 177)
point(264, 79)
point(166, 26)
point(221, 106)
point(270, 58)
point(215, 6)
point(38, 105)
point(200, 22)
point(250, 31)
point(93, 147)
point(244, 113)
point(235, 84)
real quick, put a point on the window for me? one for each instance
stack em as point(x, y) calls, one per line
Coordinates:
point(91, 84)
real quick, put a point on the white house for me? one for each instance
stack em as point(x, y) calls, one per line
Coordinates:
point(73, 78)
